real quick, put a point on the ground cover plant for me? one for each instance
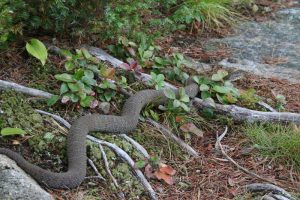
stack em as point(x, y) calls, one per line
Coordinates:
point(82, 84)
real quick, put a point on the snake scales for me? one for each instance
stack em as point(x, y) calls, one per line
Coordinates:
point(76, 147)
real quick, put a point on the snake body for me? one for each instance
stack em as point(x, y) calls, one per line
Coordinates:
point(76, 146)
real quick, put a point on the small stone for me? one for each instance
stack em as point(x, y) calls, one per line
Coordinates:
point(104, 107)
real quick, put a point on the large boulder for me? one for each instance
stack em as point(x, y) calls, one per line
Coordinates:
point(16, 184)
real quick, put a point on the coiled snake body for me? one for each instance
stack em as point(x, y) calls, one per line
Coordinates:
point(76, 147)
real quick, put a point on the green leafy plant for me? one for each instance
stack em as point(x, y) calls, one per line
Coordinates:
point(176, 104)
point(37, 49)
point(280, 102)
point(157, 80)
point(12, 131)
point(217, 87)
point(80, 84)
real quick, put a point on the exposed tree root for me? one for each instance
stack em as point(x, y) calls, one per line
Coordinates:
point(4, 85)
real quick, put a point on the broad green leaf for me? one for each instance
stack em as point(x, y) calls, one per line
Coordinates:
point(147, 54)
point(87, 101)
point(185, 107)
point(204, 87)
point(89, 73)
point(169, 93)
point(64, 88)
point(12, 131)
point(79, 74)
point(37, 49)
point(217, 77)
point(69, 65)
point(176, 103)
point(89, 80)
point(205, 95)
point(74, 87)
point(52, 100)
point(86, 54)
point(64, 77)
point(221, 89)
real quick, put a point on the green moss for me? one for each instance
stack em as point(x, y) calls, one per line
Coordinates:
point(45, 140)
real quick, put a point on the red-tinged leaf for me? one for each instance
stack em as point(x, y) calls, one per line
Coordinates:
point(149, 171)
point(131, 51)
point(178, 119)
point(162, 176)
point(167, 169)
point(125, 66)
point(191, 128)
point(209, 147)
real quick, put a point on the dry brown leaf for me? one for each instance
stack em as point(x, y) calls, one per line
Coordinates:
point(162, 176)
point(167, 169)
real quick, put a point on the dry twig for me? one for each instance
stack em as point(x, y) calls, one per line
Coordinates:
point(219, 145)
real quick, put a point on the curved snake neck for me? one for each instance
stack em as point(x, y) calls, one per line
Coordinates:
point(76, 147)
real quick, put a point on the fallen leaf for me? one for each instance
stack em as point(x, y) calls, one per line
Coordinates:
point(191, 128)
point(162, 176)
point(149, 171)
point(178, 119)
point(167, 169)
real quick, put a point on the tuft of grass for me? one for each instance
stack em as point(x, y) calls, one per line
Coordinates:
point(281, 142)
point(213, 13)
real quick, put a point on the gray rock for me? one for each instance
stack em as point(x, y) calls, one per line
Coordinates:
point(15, 184)
point(272, 46)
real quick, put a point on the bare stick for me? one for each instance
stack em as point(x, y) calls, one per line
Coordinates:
point(124, 156)
point(56, 117)
point(91, 163)
point(114, 180)
point(243, 114)
point(171, 135)
point(235, 163)
point(266, 106)
point(26, 90)
point(266, 187)
point(136, 145)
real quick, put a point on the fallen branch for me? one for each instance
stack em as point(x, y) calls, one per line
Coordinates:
point(219, 146)
point(136, 145)
point(5, 85)
point(241, 114)
point(236, 112)
point(123, 155)
point(176, 139)
point(259, 187)
point(91, 163)
point(130, 162)
point(114, 180)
